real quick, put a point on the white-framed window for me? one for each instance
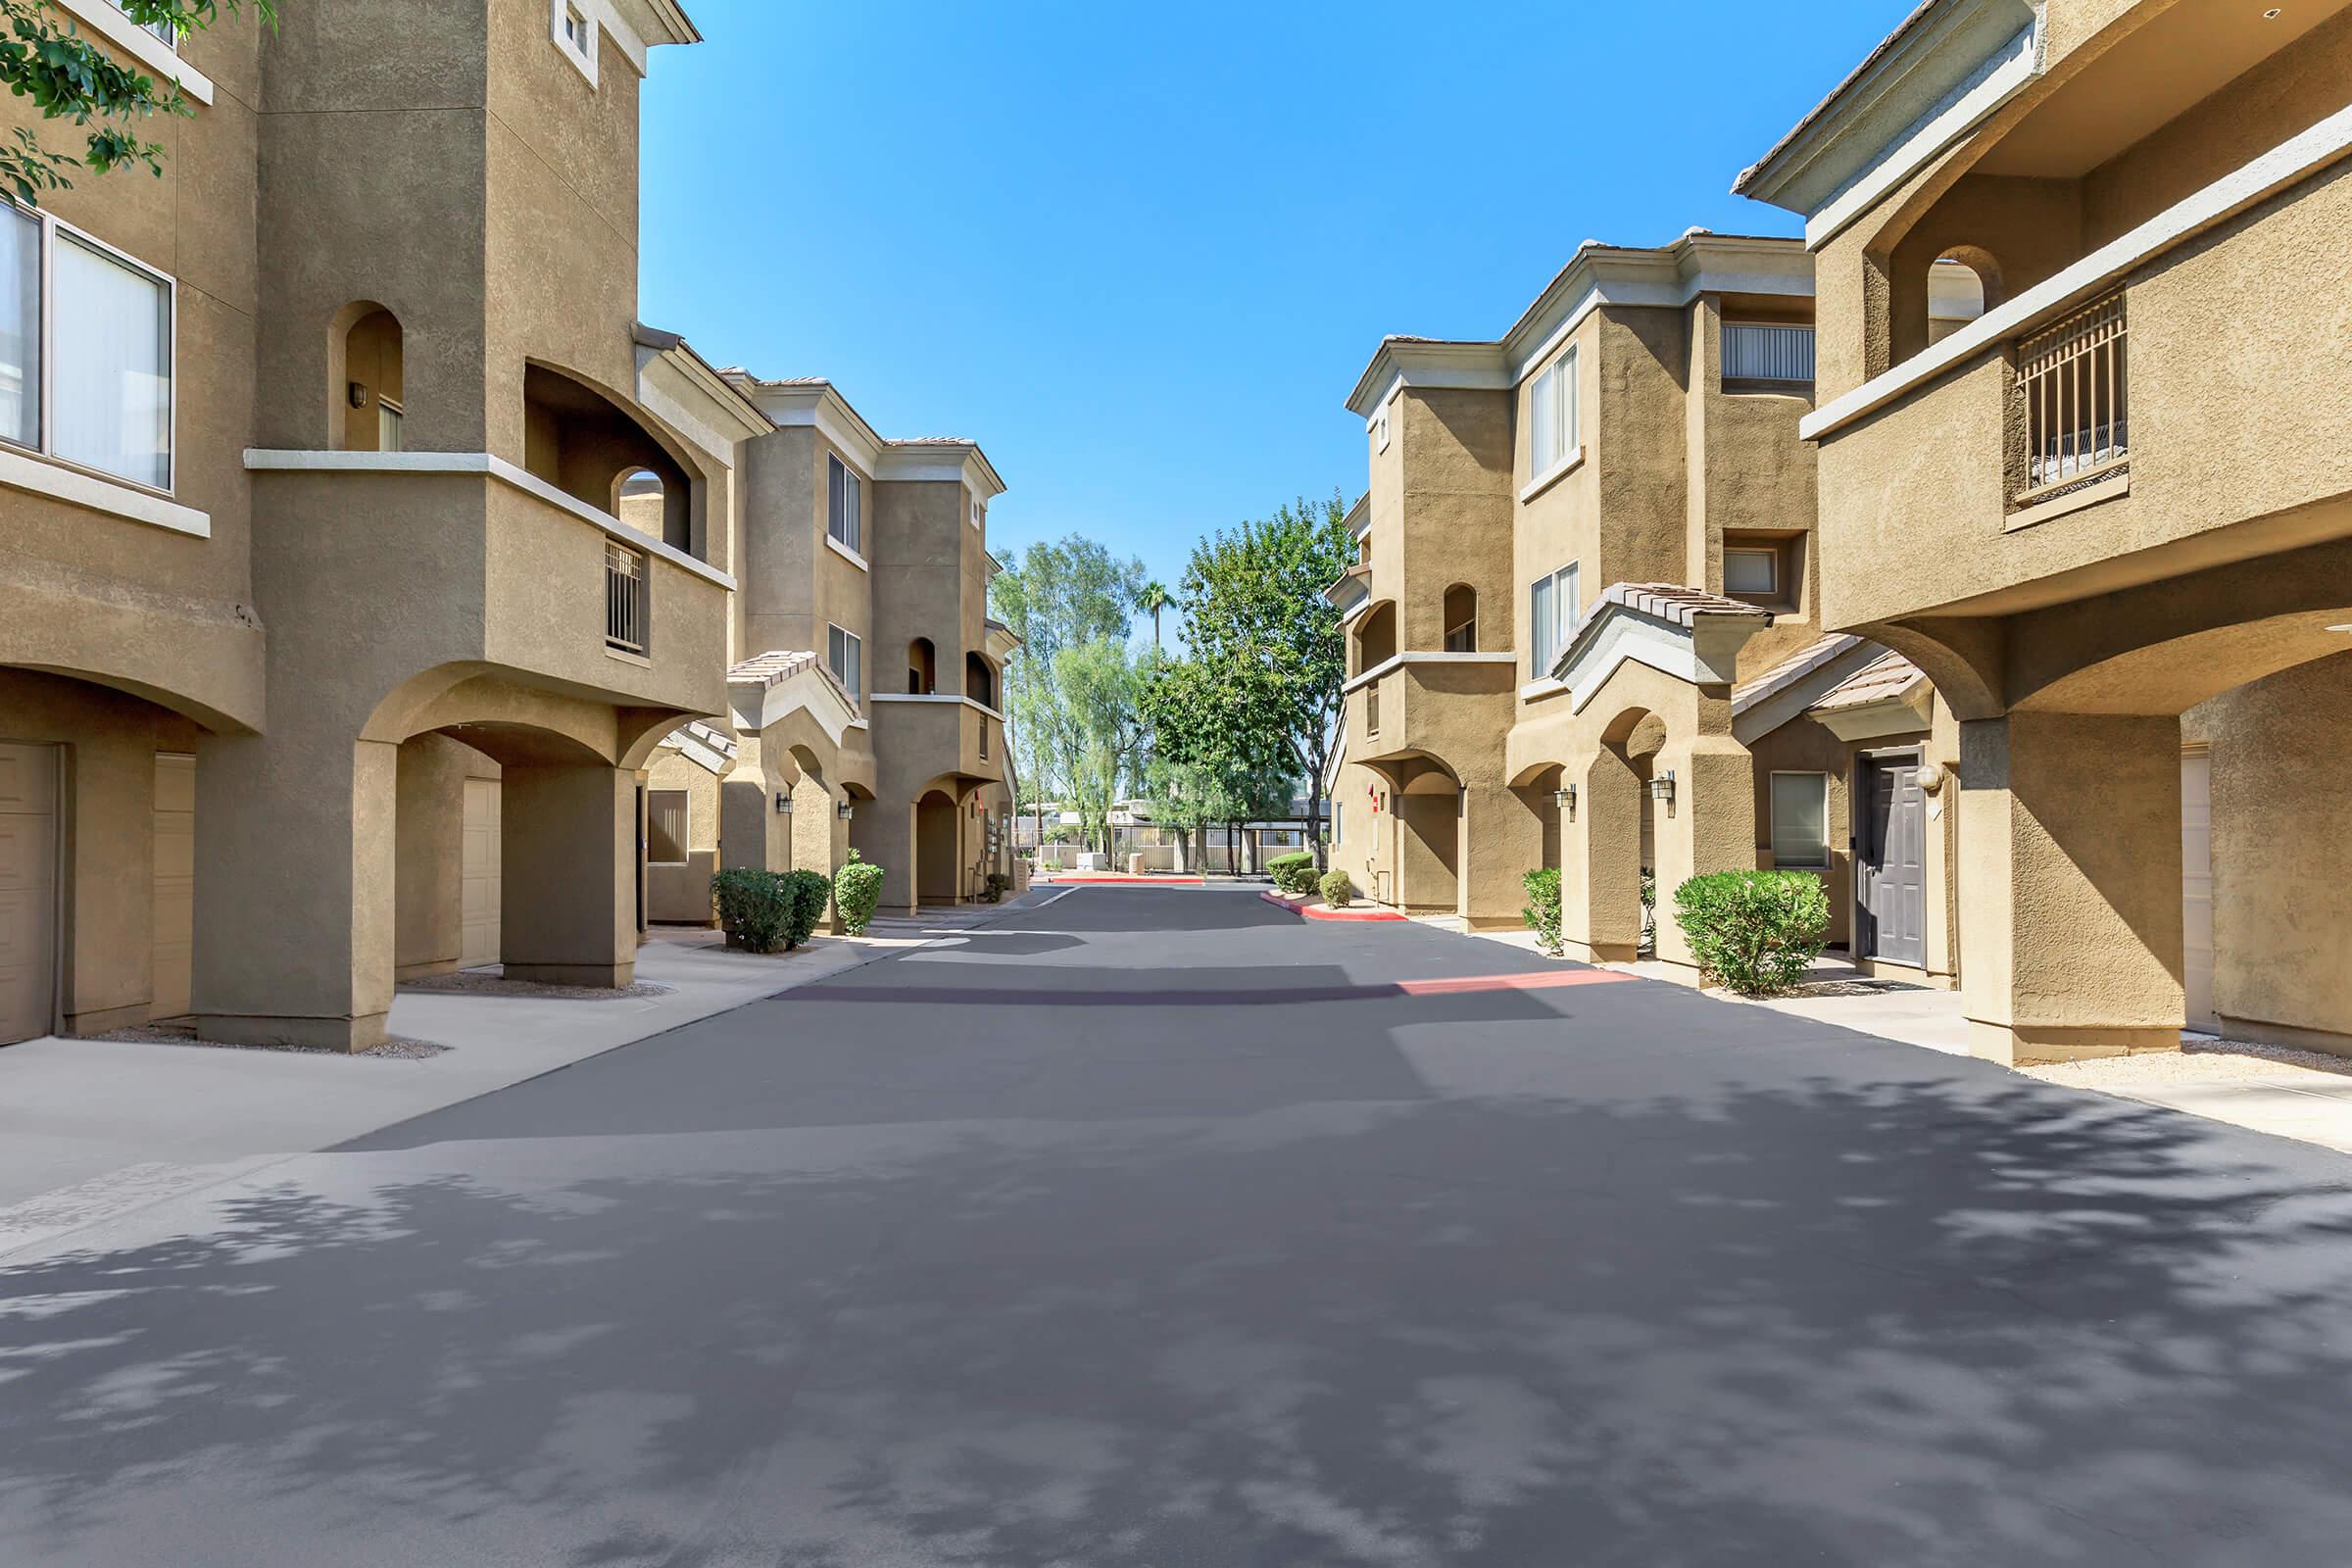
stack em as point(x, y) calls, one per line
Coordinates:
point(845, 655)
point(1380, 428)
point(160, 30)
point(978, 512)
point(1801, 821)
point(845, 505)
point(387, 425)
point(85, 350)
point(574, 32)
point(1751, 572)
point(1552, 415)
point(1551, 604)
point(667, 816)
point(1768, 351)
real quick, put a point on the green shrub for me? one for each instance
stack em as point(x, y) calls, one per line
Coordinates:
point(1756, 932)
point(1294, 872)
point(810, 892)
point(1543, 909)
point(857, 890)
point(1337, 890)
point(994, 892)
point(755, 907)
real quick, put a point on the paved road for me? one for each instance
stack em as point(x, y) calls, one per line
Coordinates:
point(1156, 1227)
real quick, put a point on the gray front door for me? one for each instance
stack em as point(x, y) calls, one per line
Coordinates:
point(1891, 821)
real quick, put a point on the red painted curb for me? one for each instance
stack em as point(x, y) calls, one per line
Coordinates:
point(1324, 911)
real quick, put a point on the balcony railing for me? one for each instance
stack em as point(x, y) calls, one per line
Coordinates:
point(2076, 381)
point(1757, 351)
point(624, 598)
point(984, 737)
point(1372, 709)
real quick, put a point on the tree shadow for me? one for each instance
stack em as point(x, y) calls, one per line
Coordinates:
point(1935, 1316)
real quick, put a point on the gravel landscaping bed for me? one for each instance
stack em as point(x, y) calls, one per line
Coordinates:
point(490, 983)
point(2202, 1062)
point(394, 1048)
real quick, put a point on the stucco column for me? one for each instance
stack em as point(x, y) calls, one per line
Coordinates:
point(295, 875)
point(1601, 860)
point(429, 846)
point(884, 833)
point(569, 876)
point(1709, 825)
point(2070, 885)
point(1503, 840)
point(749, 832)
point(815, 826)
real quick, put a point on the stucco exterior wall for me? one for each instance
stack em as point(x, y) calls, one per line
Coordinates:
point(2282, 856)
point(681, 893)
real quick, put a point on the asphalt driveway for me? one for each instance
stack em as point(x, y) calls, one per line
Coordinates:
point(1154, 1227)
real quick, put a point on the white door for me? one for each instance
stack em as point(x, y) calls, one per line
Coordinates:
point(174, 899)
point(2196, 887)
point(28, 891)
point(478, 873)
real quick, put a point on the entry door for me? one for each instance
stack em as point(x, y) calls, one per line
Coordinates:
point(1891, 903)
point(28, 891)
point(2196, 887)
point(175, 906)
point(478, 874)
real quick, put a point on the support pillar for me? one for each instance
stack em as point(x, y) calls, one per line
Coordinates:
point(569, 873)
point(2070, 852)
point(753, 835)
point(1501, 841)
point(1709, 825)
point(295, 875)
point(429, 848)
point(1601, 860)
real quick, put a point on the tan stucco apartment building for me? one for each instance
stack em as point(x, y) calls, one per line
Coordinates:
point(866, 677)
point(1584, 628)
point(2111, 515)
point(327, 656)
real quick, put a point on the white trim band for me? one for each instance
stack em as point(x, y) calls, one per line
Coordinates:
point(21, 471)
point(109, 23)
point(1400, 661)
point(261, 460)
point(973, 703)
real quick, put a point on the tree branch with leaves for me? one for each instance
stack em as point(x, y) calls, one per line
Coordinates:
point(68, 78)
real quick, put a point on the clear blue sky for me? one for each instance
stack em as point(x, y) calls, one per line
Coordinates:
point(1141, 254)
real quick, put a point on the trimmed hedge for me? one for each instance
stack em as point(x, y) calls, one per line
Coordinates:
point(1756, 932)
point(1543, 909)
point(1337, 890)
point(857, 890)
point(764, 910)
point(1294, 872)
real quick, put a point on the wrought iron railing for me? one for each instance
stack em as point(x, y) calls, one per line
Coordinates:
point(2077, 386)
point(1372, 709)
point(624, 598)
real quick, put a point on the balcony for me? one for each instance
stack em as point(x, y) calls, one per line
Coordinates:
point(920, 737)
point(424, 558)
point(1451, 706)
point(2125, 421)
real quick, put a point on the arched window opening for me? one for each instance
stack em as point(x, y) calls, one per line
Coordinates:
point(979, 681)
point(1461, 619)
point(1961, 286)
point(1376, 638)
point(640, 499)
point(922, 667)
point(372, 407)
point(591, 446)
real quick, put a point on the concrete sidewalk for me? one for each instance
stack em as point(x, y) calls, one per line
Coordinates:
point(90, 1129)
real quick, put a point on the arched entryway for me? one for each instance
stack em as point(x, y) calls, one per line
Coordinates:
point(1429, 837)
point(938, 848)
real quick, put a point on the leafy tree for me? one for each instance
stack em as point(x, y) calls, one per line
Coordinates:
point(1056, 596)
point(68, 78)
point(1100, 728)
point(1269, 644)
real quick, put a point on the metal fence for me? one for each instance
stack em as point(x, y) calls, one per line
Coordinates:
point(2076, 379)
point(624, 598)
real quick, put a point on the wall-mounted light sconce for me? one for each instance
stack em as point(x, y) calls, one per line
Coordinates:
point(783, 803)
point(358, 393)
point(1565, 799)
point(843, 811)
point(1661, 789)
point(1930, 776)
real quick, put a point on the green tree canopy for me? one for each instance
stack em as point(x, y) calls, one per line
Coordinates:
point(69, 78)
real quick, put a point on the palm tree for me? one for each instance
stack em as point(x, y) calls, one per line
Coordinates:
point(1155, 598)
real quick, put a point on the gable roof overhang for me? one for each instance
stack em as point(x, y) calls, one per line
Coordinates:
point(1786, 690)
point(1684, 632)
point(766, 687)
point(1946, 66)
point(1888, 696)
